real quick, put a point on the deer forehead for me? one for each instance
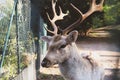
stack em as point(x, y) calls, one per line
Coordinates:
point(57, 40)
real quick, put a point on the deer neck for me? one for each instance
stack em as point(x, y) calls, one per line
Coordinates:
point(74, 55)
point(71, 64)
point(74, 51)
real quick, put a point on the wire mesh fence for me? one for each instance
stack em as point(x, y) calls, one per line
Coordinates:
point(7, 41)
point(24, 31)
point(20, 44)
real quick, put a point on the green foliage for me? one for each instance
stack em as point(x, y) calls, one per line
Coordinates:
point(5, 11)
point(97, 21)
point(10, 66)
point(110, 15)
point(10, 61)
point(112, 12)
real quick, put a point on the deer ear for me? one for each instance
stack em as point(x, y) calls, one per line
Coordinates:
point(72, 36)
point(46, 38)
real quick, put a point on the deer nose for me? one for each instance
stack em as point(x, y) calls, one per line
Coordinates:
point(45, 63)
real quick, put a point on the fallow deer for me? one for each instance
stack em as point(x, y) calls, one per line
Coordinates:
point(63, 51)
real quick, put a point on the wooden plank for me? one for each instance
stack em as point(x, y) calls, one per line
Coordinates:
point(101, 53)
point(112, 65)
point(108, 53)
point(109, 58)
point(110, 61)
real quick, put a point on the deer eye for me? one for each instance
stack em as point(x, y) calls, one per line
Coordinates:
point(63, 46)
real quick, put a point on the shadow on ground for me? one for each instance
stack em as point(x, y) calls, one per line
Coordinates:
point(114, 76)
point(50, 77)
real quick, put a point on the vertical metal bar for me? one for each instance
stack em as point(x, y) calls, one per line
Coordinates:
point(17, 39)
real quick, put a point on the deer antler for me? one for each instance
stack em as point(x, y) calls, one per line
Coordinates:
point(94, 7)
point(55, 18)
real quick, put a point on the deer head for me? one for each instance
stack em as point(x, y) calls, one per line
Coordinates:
point(59, 45)
point(58, 49)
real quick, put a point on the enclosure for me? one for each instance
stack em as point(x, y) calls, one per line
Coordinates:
point(19, 44)
point(23, 22)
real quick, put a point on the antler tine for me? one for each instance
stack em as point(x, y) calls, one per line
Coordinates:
point(52, 20)
point(62, 14)
point(94, 7)
point(55, 18)
point(100, 5)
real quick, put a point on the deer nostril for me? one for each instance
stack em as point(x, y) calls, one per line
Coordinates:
point(45, 63)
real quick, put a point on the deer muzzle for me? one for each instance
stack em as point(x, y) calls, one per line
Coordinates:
point(46, 63)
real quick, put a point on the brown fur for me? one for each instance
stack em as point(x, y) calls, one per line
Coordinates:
point(57, 38)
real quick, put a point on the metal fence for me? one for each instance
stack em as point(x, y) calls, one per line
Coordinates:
point(16, 38)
